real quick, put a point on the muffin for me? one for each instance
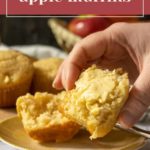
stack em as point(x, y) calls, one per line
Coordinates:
point(96, 100)
point(44, 73)
point(42, 120)
point(16, 71)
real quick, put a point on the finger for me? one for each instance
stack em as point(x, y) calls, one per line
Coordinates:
point(89, 49)
point(138, 101)
point(57, 83)
point(70, 76)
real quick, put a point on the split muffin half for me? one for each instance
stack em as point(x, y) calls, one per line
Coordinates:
point(96, 101)
point(42, 120)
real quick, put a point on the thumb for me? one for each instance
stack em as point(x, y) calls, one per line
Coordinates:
point(138, 102)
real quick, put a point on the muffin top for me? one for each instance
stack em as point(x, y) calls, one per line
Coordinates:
point(15, 68)
point(48, 67)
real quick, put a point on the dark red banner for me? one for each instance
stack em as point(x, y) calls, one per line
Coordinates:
point(75, 7)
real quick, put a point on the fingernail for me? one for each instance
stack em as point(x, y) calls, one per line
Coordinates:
point(65, 86)
point(53, 85)
point(67, 79)
point(126, 119)
point(64, 79)
point(56, 86)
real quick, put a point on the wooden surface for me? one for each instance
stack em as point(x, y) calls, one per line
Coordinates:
point(6, 113)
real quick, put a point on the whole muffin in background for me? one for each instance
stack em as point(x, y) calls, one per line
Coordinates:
point(45, 71)
point(16, 71)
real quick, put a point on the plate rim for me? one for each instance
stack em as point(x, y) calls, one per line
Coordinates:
point(21, 148)
point(8, 143)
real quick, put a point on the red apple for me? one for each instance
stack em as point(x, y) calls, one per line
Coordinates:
point(86, 26)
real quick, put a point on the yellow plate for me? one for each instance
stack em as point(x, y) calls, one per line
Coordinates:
point(12, 133)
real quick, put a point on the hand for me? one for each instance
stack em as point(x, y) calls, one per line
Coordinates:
point(121, 45)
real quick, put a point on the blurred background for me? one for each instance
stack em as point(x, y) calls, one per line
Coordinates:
point(22, 31)
point(25, 31)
